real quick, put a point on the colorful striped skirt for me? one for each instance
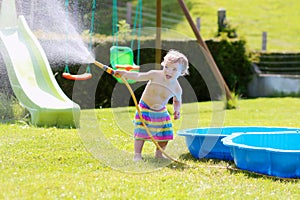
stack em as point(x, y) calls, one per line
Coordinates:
point(158, 122)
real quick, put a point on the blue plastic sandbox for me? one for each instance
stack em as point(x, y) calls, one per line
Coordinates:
point(273, 153)
point(206, 142)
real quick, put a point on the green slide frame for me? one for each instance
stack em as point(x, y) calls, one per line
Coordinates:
point(32, 79)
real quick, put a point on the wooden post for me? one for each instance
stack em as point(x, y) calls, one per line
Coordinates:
point(214, 67)
point(198, 22)
point(158, 35)
point(221, 19)
point(128, 13)
point(264, 41)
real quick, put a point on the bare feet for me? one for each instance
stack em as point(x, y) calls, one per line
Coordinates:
point(137, 157)
point(158, 154)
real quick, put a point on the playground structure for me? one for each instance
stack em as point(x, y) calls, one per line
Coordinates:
point(30, 74)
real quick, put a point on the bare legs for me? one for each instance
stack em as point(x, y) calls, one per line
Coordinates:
point(158, 153)
point(138, 147)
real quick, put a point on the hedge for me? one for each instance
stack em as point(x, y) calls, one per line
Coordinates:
point(229, 55)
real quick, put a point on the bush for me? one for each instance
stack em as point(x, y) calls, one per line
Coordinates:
point(233, 62)
point(229, 55)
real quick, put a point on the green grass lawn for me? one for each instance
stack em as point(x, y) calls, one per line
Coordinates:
point(51, 163)
point(279, 18)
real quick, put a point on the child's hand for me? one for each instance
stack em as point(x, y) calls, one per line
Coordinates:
point(176, 115)
point(119, 73)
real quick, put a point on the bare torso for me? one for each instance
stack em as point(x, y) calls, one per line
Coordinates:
point(158, 91)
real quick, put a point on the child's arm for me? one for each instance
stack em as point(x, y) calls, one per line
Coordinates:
point(176, 106)
point(137, 76)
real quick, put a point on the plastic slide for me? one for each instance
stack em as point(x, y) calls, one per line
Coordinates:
point(32, 79)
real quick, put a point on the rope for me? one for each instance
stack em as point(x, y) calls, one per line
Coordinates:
point(137, 18)
point(115, 23)
point(67, 19)
point(139, 31)
point(67, 69)
point(88, 69)
point(111, 71)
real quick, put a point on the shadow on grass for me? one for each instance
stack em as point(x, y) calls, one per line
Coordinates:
point(234, 170)
point(189, 157)
point(188, 161)
point(230, 166)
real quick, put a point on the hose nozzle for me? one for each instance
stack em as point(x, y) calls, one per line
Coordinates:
point(104, 67)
